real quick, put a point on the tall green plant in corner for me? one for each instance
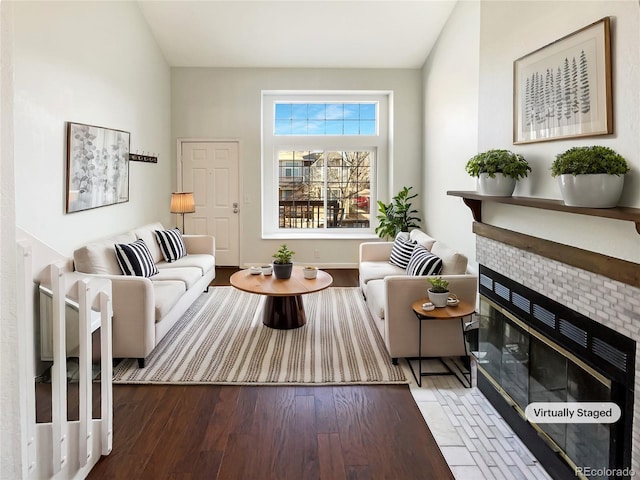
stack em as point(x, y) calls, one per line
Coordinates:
point(397, 216)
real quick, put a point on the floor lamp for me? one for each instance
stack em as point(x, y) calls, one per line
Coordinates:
point(182, 202)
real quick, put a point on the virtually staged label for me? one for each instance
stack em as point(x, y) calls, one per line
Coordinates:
point(572, 412)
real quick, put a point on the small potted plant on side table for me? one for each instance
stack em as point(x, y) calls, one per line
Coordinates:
point(282, 265)
point(439, 291)
point(497, 170)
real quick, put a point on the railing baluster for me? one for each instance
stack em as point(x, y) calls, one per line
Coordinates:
point(106, 369)
point(85, 387)
point(59, 372)
point(26, 366)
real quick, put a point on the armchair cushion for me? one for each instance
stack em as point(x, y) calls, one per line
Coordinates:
point(135, 259)
point(453, 263)
point(171, 244)
point(422, 238)
point(423, 262)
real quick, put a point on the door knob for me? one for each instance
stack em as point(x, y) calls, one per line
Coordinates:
point(235, 207)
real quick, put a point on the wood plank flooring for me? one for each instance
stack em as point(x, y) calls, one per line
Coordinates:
point(270, 432)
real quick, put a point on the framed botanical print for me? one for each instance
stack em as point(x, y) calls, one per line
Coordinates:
point(563, 90)
point(97, 167)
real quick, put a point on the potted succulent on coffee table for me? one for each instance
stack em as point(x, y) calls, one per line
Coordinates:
point(497, 171)
point(282, 265)
point(590, 176)
point(439, 291)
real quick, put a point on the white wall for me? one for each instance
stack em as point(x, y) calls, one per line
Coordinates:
point(540, 23)
point(461, 80)
point(226, 104)
point(10, 405)
point(93, 63)
point(451, 124)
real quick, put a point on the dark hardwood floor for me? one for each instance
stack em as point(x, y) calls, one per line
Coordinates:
point(270, 432)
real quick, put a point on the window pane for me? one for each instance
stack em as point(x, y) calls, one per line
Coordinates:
point(307, 201)
point(317, 111)
point(367, 111)
point(351, 127)
point(335, 111)
point(283, 110)
point(283, 127)
point(325, 119)
point(334, 127)
point(367, 127)
point(299, 111)
point(352, 111)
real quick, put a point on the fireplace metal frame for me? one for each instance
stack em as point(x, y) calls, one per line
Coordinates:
point(608, 355)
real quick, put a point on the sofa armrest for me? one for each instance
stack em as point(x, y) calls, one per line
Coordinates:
point(375, 251)
point(401, 324)
point(134, 322)
point(200, 244)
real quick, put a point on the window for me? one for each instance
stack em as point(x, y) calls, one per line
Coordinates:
point(321, 157)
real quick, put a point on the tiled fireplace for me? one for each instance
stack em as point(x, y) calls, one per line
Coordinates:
point(606, 322)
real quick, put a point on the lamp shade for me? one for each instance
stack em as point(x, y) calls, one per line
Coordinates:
point(182, 202)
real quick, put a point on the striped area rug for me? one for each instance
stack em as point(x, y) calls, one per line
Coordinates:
point(221, 340)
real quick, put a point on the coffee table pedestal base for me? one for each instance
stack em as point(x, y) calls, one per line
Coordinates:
point(284, 313)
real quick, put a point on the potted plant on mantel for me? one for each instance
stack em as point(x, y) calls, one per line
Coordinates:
point(590, 176)
point(439, 291)
point(397, 216)
point(282, 265)
point(497, 171)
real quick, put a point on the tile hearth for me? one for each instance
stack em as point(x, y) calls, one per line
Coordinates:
point(476, 442)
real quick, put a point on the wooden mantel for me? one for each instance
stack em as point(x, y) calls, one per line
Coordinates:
point(614, 268)
point(474, 201)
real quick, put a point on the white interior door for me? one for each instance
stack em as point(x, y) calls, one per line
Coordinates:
point(211, 171)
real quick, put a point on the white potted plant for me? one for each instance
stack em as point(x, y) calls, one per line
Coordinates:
point(590, 176)
point(497, 171)
point(439, 291)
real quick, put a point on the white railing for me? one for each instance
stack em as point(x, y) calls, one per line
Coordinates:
point(64, 449)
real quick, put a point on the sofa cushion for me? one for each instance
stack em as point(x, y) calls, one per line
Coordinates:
point(166, 294)
point(453, 263)
point(401, 250)
point(422, 238)
point(424, 262)
point(202, 261)
point(375, 270)
point(171, 244)
point(375, 297)
point(188, 275)
point(100, 257)
point(135, 259)
point(147, 233)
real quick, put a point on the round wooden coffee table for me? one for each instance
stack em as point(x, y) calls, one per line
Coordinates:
point(283, 308)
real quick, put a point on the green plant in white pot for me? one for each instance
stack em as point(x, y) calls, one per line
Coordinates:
point(590, 176)
point(497, 171)
point(439, 291)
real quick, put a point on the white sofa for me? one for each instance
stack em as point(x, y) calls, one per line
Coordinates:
point(390, 292)
point(145, 308)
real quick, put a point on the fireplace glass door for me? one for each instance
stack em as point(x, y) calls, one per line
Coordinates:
point(529, 368)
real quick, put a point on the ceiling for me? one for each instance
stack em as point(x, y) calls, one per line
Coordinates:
point(296, 33)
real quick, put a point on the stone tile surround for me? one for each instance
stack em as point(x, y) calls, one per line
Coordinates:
point(610, 302)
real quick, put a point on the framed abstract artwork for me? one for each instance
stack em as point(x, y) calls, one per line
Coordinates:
point(97, 167)
point(563, 90)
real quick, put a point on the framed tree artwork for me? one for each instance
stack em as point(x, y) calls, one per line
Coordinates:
point(563, 90)
point(97, 167)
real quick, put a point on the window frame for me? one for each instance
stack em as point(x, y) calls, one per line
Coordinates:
point(271, 144)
